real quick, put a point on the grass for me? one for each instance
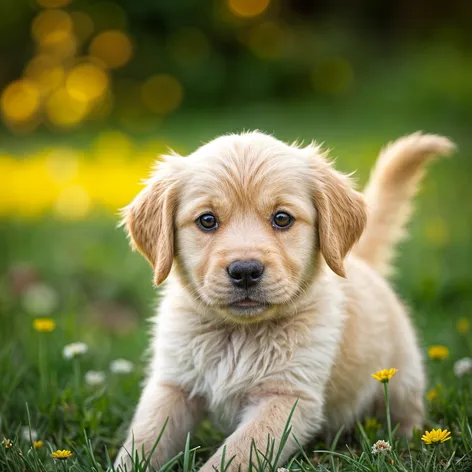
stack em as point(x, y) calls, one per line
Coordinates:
point(87, 420)
point(102, 293)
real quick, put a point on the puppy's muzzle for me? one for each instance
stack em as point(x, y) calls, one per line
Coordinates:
point(245, 274)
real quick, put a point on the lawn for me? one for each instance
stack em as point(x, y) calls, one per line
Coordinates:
point(81, 273)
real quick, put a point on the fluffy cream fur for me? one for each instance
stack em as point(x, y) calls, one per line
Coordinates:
point(327, 319)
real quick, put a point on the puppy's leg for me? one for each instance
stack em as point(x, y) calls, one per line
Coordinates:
point(407, 394)
point(264, 420)
point(158, 404)
point(407, 408)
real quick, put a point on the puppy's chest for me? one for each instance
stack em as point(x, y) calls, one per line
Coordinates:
point(223, 365)
point(227, 364)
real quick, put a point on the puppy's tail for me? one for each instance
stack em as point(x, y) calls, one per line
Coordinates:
point(392, 185)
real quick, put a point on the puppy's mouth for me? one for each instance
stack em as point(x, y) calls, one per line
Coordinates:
point(248, 306)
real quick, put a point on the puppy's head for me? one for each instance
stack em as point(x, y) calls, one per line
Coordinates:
point(245, 219)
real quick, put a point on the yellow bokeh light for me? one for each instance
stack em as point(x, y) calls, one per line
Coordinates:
point(53, 3)
point(161, 94)
point(20, 100)
point(51, 24)
point(67, 182)
point(53, 32)
point(112, 147)
point(87, 82)
point(73, 203)
point(83, 25)
point(8, 175)
point(65, 111)
point(113, 47)
point(248, 8)
point(113, 186)
point(31, 179)
point(46, 72)
point(62, 164)
point(60, 44)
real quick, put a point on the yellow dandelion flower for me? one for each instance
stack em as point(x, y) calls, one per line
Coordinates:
point(463, 326)
point(44, 325)
point(38, 444)
point(8, 443)
point(432, 395)
point(62, 455)
point(372, 424)
point(384, 375)
point(436, 436)
point(438, 352)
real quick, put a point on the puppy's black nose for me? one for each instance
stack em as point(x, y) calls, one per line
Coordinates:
point(245, 274)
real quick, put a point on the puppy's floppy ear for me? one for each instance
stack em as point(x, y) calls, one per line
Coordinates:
point(149, 219)
point(341, 213)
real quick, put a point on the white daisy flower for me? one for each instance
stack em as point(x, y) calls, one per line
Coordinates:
point(74, 349)
point(121, 366)
point(94, 377)
point(40, 299)
point(381, 447)
point(25, 434)
point(463, 366)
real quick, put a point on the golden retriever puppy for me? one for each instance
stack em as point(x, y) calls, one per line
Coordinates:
point(276, 294)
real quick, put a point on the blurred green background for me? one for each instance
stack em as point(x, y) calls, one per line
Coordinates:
point(92, 91)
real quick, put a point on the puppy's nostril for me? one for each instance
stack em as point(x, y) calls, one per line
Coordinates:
point(245, 273)
point(234, 271)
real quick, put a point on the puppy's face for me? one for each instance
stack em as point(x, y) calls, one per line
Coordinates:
point(245, 228)
point(245, 218)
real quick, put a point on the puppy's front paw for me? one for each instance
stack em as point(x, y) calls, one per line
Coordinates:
point(132, 456)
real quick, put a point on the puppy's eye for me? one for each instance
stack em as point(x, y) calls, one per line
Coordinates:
point(207, 222)
point(282, 220)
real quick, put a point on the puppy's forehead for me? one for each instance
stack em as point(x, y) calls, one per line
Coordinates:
point(246, 166)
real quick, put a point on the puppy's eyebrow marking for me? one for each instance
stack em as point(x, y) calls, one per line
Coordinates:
point(187, 217)
point(296, 207)
point(199, 206)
